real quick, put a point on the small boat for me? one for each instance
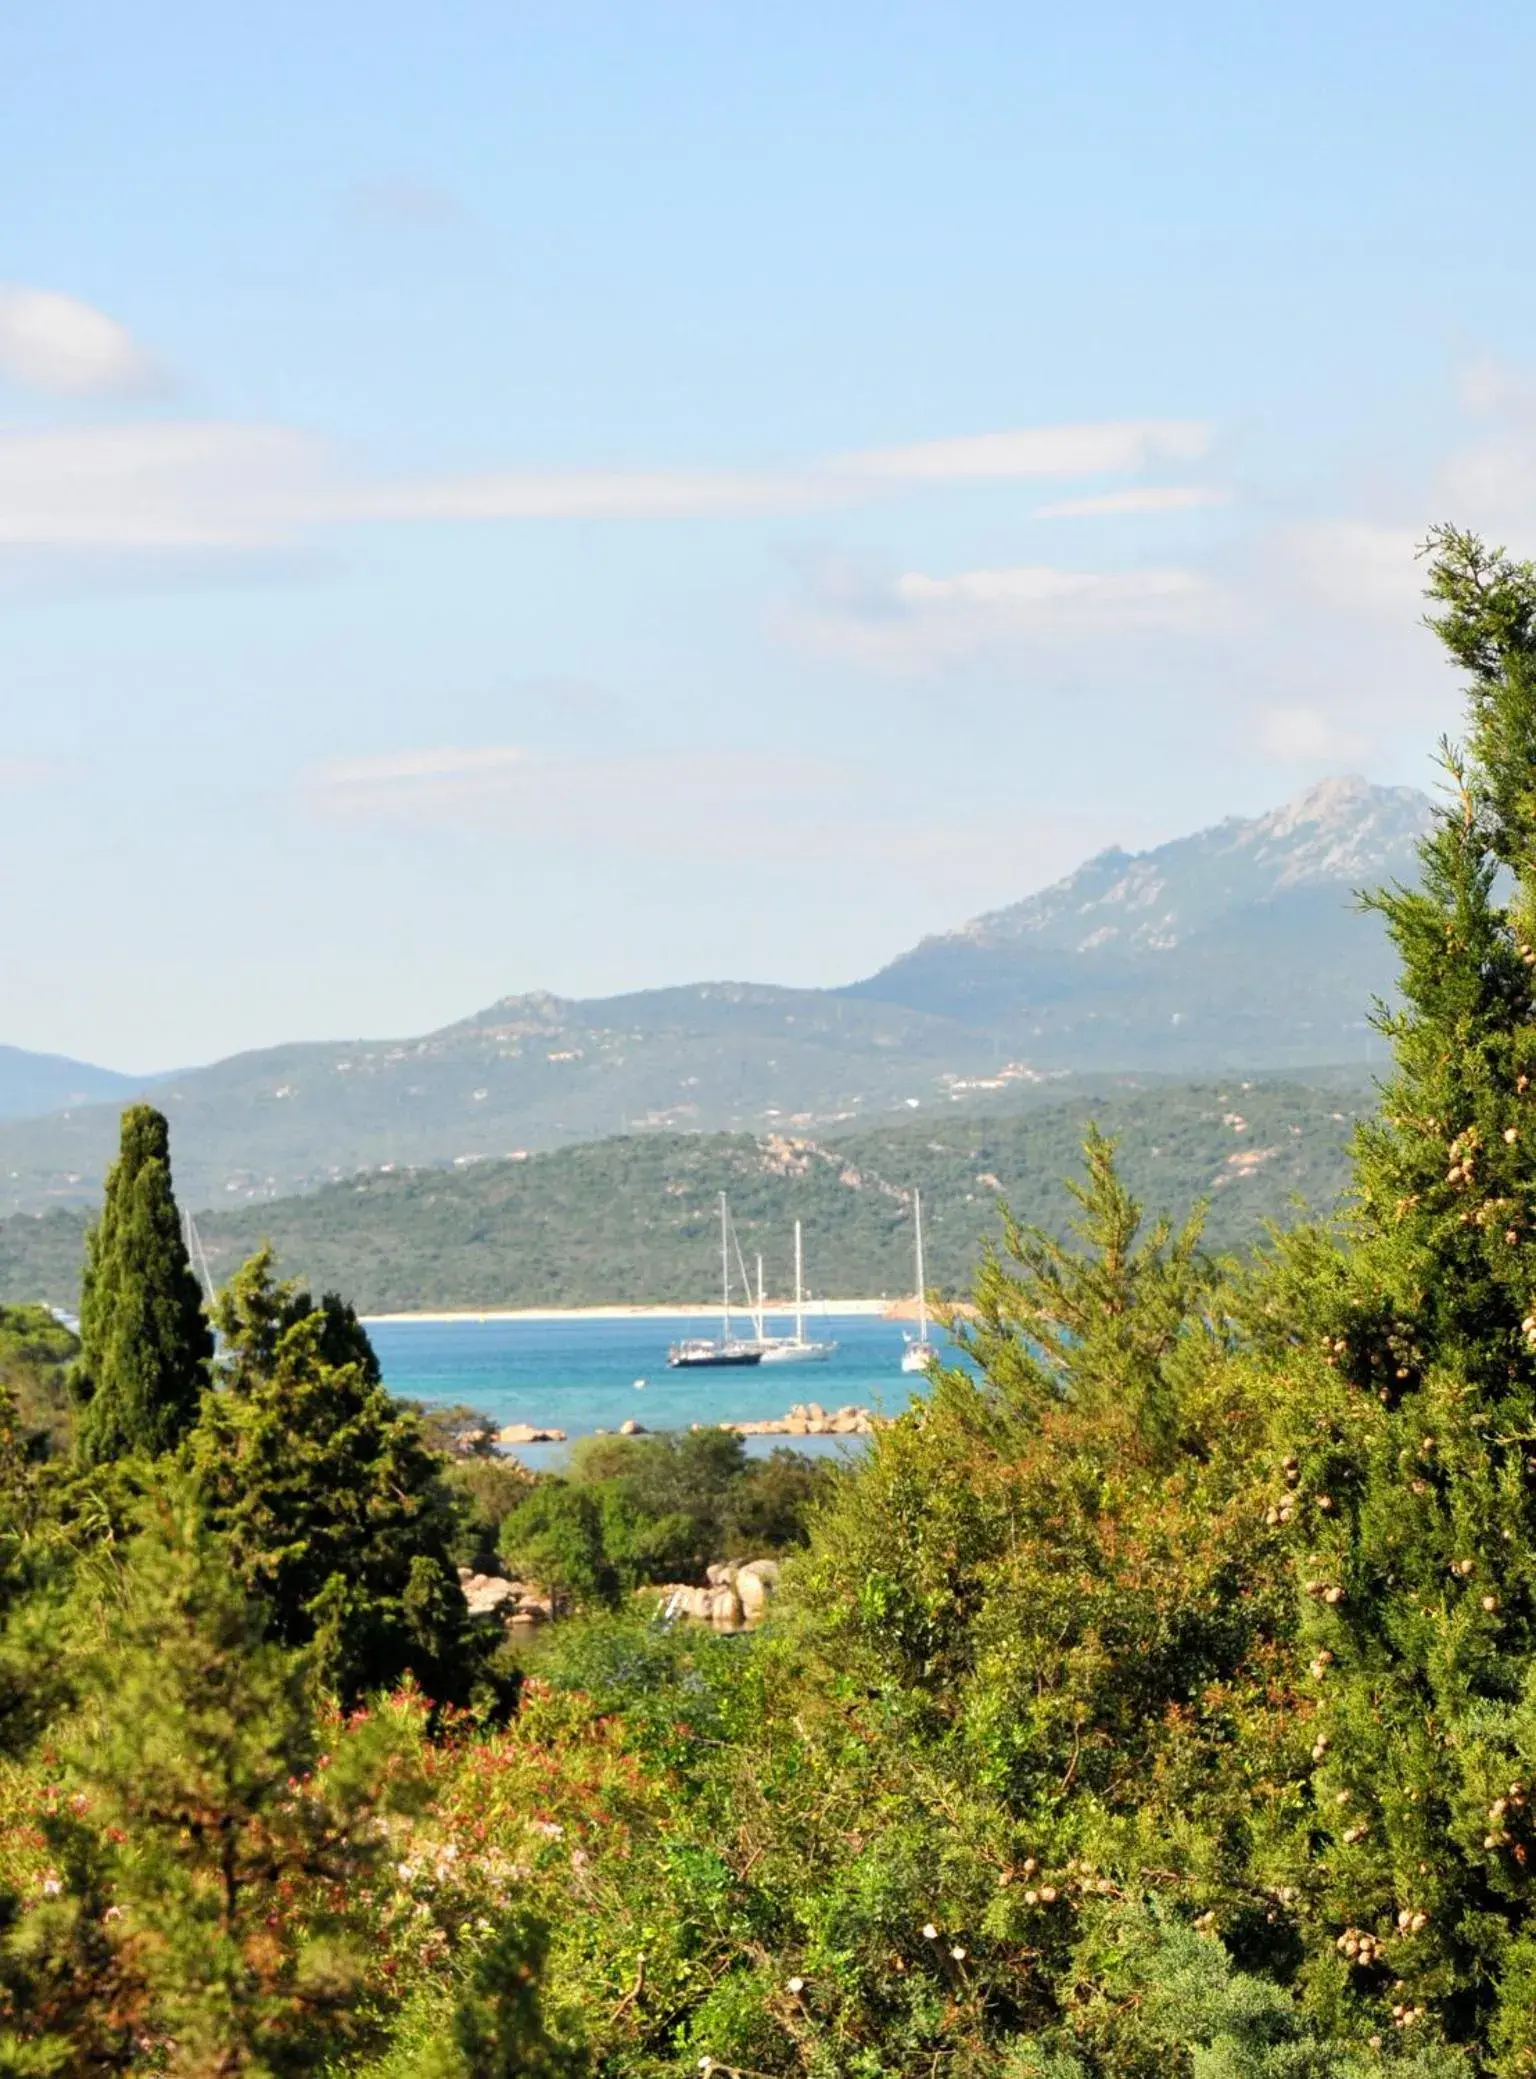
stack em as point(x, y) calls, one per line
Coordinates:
point(727, 1348)
point(798, 1348)
point(919, 1353)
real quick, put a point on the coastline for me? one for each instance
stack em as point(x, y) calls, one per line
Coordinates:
point(818, 1310)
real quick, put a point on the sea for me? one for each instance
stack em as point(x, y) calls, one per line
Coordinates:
point(583, 1374)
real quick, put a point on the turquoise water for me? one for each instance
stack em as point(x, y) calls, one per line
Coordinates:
point(585, 1375)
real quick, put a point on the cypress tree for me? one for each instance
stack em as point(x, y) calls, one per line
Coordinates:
point(145, 1343)
point(1410, 1481)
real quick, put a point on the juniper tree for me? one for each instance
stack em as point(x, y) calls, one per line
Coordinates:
point(145, 1344)
point(333, 1507)
point(1410, 1481)
point(245, 1826)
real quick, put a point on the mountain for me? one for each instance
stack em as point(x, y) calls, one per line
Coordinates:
point(633, 1219)
point(1238, 946)
point(1237, 950)
point(32, 1084)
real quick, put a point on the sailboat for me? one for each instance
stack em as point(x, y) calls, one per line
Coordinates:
point(798, 1348)
point(727, 1347)
point(919, 1353)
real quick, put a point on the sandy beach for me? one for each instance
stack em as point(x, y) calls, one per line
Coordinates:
point(820, 1309)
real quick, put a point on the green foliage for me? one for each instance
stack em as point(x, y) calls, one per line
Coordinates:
point(36, 1352)
point(1102, 1322)
point(486, 1491)
point(635, 1510)
point(1407, 1352)
point(1165, 2000)
point(495, 2028)
point(202, 1747)
point(145, 1344)
point(334, 1511)
point(558, 1537)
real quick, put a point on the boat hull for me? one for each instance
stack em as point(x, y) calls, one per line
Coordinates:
point(711, 1360)
point(798, 1353)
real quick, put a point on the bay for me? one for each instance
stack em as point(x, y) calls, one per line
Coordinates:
point(582, 1375)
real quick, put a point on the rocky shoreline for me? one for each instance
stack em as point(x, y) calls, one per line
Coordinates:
point(805, 1419)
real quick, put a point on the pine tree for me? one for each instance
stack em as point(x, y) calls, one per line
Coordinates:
point(1410, 1481)
point(242, 1848)
point(333, 1507)
point(145, 1343)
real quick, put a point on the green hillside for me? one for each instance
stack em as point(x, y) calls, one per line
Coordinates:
point(632, 1218)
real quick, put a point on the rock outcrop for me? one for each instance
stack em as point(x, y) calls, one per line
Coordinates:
point(810, 1419)
point(733, 1597)
point(515, 1602)
point(528, 1433)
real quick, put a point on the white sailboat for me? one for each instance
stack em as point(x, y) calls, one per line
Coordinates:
point(919, 1353)
point(798, 1348)
point(727, 1347)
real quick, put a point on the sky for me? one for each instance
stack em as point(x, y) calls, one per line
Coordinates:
point(581, 497)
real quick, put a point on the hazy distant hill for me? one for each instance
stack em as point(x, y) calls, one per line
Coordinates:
point(31, 1084)
point(634, 1218)
point(1237, 950)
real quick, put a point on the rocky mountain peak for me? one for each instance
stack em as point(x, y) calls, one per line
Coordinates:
point(1344, 832)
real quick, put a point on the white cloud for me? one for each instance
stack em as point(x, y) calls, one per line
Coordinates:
point(182, 485)
point(57, 344)
point(918, 622)
point(412, 785)
point(1150, 498)
point(1087, 450)
point(604, 494)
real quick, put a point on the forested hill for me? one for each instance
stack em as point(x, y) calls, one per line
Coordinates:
point(632, 1219)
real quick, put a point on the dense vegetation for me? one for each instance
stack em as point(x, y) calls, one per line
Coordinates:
point(633, 1219)
point(1158, 1696)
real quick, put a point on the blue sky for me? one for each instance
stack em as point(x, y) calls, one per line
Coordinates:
point(570, 496)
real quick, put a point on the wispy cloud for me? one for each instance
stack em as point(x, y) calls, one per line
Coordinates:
point(57, 344)
point(412, 785)
point(1148, 498)
point(182, 484)
point(918, 622)
point(1095, 449)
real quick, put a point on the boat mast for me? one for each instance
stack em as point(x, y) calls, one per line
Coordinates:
point(799, 1302)
point(761, 1316)
point(725, 1272)
point(922, 1283)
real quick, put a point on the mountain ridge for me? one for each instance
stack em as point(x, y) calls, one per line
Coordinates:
point(1246, 951)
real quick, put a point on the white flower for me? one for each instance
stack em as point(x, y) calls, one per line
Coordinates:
point(930, 1932)
point(958, 1953)
point(795, 1984)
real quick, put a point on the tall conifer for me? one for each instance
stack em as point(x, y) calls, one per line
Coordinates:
point(145, 1343)
point(1411, 1480)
